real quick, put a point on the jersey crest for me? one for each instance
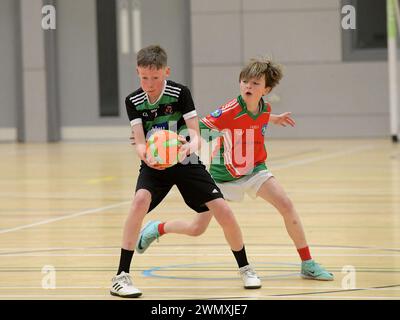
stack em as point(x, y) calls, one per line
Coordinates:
point(217, 113)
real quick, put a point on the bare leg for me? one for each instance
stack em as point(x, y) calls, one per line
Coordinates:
point(224, 216)
point(122, 284)
point(272, 192)
point(226, 219)
point(139, 207)
point(194, 227)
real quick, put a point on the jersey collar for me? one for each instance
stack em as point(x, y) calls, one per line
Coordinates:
point(261, 107)
point(158, 99)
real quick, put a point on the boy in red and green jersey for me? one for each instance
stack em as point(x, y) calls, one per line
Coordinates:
point(240, 128)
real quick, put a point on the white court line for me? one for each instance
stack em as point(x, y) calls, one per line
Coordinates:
point(210, 247)
point(205, 288)
point(69, 216)
point(58, 249)
point(193, 255)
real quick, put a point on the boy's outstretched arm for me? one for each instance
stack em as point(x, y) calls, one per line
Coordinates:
point(282, 119)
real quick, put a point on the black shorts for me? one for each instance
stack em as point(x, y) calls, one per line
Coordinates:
point(193, 181)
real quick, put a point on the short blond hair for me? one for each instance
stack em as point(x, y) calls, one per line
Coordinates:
point(152, 57)
point(256, 68)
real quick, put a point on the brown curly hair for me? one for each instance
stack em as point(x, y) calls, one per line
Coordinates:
point(256, 68)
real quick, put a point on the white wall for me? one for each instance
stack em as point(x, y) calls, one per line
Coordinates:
point(77, 58)
point(328, 97)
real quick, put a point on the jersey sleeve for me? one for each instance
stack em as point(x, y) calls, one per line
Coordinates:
point(217, 120)
point(133, 114)
point(186, 104)
point(211, 126)
point(207, 133)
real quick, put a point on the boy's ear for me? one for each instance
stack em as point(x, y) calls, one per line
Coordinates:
point(267, 90)
point(167, 71)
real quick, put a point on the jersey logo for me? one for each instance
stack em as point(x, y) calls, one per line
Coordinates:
point(160, 126)
point(264, 129)
point(168, 110)
point(154, 112)
point(217, 113)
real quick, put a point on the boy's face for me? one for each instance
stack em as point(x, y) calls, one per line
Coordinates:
point(152, 80)
point(253, 89)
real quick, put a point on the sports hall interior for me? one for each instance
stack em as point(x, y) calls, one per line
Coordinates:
point(68, 170)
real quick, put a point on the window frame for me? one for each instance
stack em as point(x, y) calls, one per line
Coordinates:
point(349, 50)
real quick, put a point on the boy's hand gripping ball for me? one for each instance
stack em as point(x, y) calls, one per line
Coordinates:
point(163, 147)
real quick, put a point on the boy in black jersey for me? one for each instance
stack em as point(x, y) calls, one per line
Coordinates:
point(164, 104)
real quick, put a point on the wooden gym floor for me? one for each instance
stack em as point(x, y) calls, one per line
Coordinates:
point(62, 208)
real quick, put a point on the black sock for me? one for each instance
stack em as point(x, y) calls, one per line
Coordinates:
point(125, 261)
point(241, 257)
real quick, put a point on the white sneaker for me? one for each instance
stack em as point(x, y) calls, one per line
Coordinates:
point(122, 286)
point(249, 277)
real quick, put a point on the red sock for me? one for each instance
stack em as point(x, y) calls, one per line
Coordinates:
point(304, 253)
point(161, 230)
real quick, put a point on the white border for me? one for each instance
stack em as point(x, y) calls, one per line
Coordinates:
point(8, 134)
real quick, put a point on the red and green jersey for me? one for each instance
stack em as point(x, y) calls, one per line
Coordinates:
point(240, 146)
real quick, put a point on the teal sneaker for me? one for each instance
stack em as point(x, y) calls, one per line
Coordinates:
point(312, 270)
point(147, 235)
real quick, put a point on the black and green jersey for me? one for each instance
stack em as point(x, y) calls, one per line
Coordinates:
point(169, 112)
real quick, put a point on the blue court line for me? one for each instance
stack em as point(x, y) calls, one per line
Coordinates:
point(151, 272)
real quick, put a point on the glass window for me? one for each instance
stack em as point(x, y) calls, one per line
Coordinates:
point(368, 41)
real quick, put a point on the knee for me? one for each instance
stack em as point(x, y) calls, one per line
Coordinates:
point(224, 216)
point(197, 229)
point(141, 202)
point(286, 207)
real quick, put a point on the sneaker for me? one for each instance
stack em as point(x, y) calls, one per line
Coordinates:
point(249, 277)
point(147, 235)
point(122, 286)
point(312, 270)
